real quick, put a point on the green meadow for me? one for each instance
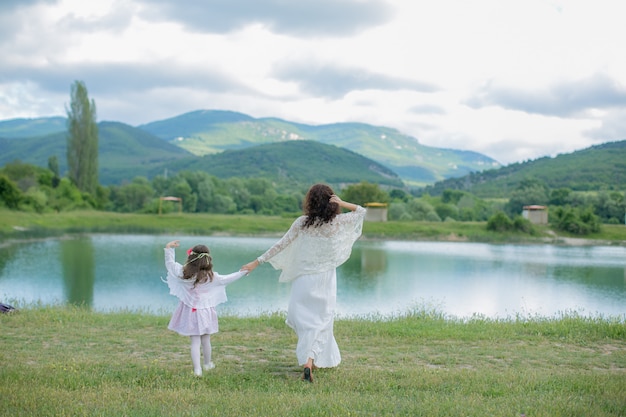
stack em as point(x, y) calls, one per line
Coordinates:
point(71, 361)
point(68, 361)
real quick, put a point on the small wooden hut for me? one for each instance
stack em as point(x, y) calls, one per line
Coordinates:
point(180, 203)
point(536, 214)
point(376, 212)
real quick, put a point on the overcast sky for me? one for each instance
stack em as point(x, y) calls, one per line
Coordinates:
point(514, 80)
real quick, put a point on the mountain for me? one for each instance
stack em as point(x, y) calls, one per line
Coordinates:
point(25, 128)
point(599, 167)
point(292, 163)
point(212, 131)
point(124, 152)
point(205, 132)
point(227, 144)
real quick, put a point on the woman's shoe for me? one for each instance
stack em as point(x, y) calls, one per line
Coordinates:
point(308, 376)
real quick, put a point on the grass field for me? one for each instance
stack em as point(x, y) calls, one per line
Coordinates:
point(66, 361)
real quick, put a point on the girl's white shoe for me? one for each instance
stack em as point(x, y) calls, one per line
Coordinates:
point(209, 366)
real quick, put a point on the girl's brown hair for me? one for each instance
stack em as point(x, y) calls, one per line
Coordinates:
point(199, 265)
point(317, 206)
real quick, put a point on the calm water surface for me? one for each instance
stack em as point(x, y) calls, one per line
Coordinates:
point(115, 272)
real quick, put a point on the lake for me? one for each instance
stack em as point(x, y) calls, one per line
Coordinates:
point(382, 278)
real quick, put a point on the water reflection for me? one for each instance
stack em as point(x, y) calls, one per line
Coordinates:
point(366, 265)
point(79, 268)
point(110, 272)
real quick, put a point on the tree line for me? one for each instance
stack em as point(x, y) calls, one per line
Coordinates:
point(32, 188)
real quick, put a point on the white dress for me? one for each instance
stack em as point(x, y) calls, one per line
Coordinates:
point(308, 257)
point(195, 314)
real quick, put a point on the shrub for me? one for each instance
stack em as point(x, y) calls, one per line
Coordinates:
point(499, 222)
point(524, 225)
point(10, 195)
point(575, 220)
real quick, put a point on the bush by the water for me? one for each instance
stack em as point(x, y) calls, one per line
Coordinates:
point(575, 220)
point(500, 222)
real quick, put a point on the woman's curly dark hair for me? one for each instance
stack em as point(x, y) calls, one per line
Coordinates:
point(317, 206)
point(198, 265)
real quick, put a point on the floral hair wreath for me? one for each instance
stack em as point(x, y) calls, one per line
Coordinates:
point(190, 252)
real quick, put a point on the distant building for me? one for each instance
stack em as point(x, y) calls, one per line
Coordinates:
point(536, 214)
point(376, 212)
point(180, 203)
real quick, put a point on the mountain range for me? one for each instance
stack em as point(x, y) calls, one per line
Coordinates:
point(126, 152)
point(210, 132)
point(230, 144)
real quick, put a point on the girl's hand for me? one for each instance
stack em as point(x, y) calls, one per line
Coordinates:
point(173, 244)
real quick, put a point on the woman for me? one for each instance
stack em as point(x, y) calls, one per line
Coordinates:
point(308, 255)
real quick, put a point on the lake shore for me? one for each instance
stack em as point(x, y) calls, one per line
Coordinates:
point(22, 225)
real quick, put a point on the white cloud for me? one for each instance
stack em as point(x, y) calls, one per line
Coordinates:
point(513, 80)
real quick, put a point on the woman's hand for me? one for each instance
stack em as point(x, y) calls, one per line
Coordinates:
point(250, 266)
point(173, 244)
point(335, 199)
point(343, 204)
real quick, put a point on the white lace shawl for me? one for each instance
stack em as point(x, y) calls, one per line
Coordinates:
point(303, 251)
point(205, 295)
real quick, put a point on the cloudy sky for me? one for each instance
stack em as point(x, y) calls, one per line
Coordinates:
point(512, 79)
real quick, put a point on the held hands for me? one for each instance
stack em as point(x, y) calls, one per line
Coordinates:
point(173, 244)
point(250, 266)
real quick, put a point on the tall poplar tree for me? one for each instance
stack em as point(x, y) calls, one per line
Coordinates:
point(82, 139)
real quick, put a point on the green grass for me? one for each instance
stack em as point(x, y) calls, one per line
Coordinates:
point(16, 225)
point(68, 361)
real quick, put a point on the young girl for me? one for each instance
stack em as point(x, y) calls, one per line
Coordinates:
point(200, 290)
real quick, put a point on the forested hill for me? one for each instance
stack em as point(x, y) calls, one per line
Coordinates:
point(26, 128)
point(126, 152)
point(243, 146)
point(123, 152)
point(293, 163)
point(600, 167)
point(205, 132)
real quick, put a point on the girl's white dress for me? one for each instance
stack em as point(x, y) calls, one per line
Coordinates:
point(308, 257)
point(195, 314)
